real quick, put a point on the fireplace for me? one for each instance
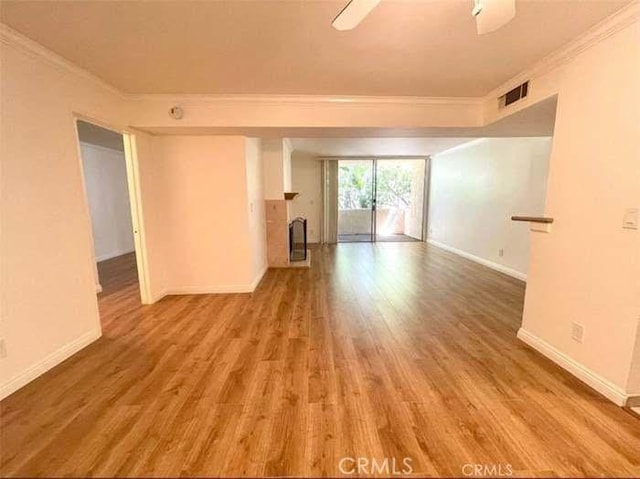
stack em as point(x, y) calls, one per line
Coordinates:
point(298, 240)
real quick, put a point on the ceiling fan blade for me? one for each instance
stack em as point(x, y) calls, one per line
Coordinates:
point(493, 14)
point(353, 13)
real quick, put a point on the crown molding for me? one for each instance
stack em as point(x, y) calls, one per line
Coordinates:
point(601, 31)
point(623, 18)
point(10, 37)
point(15, 39)
point(306, 99)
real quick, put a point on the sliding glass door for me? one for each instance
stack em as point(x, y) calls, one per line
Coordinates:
point(355, 200)
point(380, 200)
point(399, 200)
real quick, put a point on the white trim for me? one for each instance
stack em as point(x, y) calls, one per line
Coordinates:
point(372, 157)
point(225, 289)
point(259, 277)
point(113, 254)
point(157, 297)
point(137, 215)
point(307, 99)
point(584, 374)
point(633, 401)
point(222, 289)
point(48, 362)
point(87, 213)
point(485, 262)
point(9, 36)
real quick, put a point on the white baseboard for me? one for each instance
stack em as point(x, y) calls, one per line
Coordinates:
point(113, 254)
point(259, 277)
point(485, 262)
point(584, 374)
point(186, 290)
point(222, 289)
point(48, 362)
point(157, 297)
point(633, 401)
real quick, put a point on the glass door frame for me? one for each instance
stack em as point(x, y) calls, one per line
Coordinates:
point(373, 235)
point(369, 235)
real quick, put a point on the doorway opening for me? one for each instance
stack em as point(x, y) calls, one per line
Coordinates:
point(110, 183)
point(380, 200)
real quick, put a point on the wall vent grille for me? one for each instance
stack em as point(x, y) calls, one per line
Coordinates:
point(512, 96)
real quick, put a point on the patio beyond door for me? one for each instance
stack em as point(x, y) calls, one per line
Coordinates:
point(356, 200)
point(381, 200)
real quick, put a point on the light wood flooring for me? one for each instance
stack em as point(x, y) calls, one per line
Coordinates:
point(117, 275)
point(377, 351)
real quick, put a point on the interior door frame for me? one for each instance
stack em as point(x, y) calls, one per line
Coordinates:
point(135, 202)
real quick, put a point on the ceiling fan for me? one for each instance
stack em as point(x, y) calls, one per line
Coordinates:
point(490, 14)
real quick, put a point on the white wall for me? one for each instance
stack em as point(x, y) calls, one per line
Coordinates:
point(414, 218)
point(306, 179)
point(276, 155)
point(587, 269)
point(203, 205)
point(255, 197)
point(273, 169)
point(105, 176)
point(48, 301)
point(286, 163)
point(205, 213)
point(475, 189)
point(153, 185)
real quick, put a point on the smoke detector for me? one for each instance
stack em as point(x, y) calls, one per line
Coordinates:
point(176, 113)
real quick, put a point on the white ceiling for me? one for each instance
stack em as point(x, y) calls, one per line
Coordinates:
point(404, 47)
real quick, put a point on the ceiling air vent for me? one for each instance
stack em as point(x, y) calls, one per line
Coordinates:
point(514, 95)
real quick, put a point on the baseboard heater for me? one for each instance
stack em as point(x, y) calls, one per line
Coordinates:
point(298, 239)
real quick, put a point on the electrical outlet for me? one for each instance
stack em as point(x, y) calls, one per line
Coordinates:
point(3, 349)
point(501, 252)
point(577, 332)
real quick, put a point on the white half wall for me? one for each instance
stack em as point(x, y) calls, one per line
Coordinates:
point(475, 188)
point(306, 180)
point(105, 177)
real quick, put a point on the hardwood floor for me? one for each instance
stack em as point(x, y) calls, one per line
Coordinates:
point(377, 351)
point(118, 275)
